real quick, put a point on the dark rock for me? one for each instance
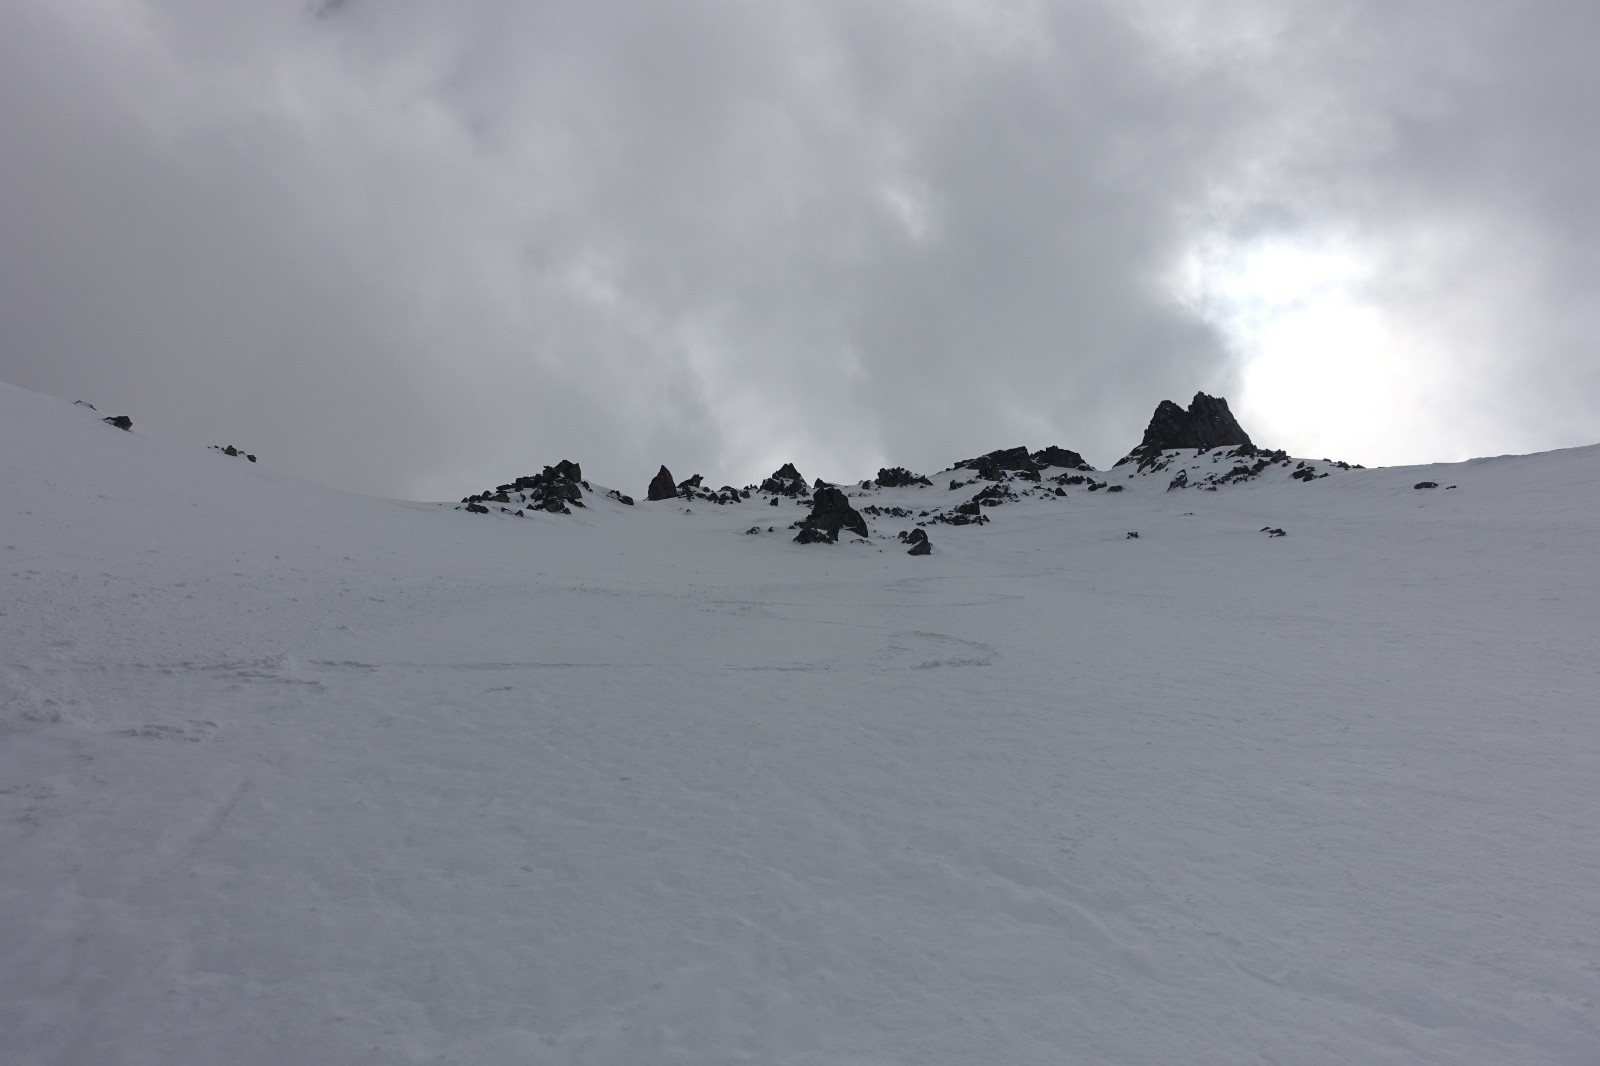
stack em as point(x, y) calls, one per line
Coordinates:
point(995, 465)
point(120, 421)
point(773, 502)
point(686, 488)
point(752, 531)
point(895, 477)
point(662, 487)
point(619, 497)
point(830, 513)
point(1057, 456)
point(251, 458)
point(1273, 531)
point(1116, 488)
point(1179, 482)
point(477, 508)
point(786, 481)
point(917, 540)
point(83, 403)
point(550, 490)
point(1426, 485)
point(565, 470)
point(1206, 424)
point(1133, 534)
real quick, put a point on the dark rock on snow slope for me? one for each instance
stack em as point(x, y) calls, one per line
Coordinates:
point(662, 487)
point(830, 513)
point(786, 481)
point(1206, 424)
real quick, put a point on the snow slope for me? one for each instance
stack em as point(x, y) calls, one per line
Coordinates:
point(294, 776)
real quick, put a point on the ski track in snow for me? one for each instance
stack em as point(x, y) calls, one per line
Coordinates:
point(288, 775)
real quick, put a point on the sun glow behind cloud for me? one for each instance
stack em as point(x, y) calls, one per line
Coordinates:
point(1326, 368)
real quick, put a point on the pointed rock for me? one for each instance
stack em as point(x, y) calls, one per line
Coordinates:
point(662, 487)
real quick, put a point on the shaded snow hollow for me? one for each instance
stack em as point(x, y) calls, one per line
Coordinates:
point(294, 776)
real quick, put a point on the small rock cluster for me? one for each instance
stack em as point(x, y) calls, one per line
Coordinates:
point(917, 541)
point(228, 449)
point(552, 491)
point(786, 481)
point(898, 477)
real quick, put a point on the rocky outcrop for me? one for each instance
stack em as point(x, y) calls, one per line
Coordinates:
point(1206, 424)
point(895, 477)
point(916, 541)
point(228, 449)
point(786, 481)
point(550, 490)
point(996, 465)
point(831, 513)
point(120, 421)
point(662, 487)
point(1058, 456)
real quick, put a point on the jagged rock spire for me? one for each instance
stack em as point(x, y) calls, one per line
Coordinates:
point(662, 487)
point(1206, 424)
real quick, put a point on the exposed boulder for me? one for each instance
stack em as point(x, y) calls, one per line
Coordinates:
point(1206, 424)
point(120, 421)
point(687, 488)
point(1426, 485)
point(662, 487)
point(916, 540)
point(1058, 456)
point(830, 513)
point(786, 481)
point(895, 477)
point(84, 403)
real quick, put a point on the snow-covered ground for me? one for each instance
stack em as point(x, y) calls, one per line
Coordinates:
point(294, 776)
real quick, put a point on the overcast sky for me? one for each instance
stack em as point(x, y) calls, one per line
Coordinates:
point(414, 248)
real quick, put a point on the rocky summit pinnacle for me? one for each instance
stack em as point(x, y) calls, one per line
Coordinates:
point(1206, 424)
point(662, 487)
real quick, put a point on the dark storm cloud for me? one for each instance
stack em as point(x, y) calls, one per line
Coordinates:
point(412, 248)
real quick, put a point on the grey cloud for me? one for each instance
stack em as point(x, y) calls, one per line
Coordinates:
point(410, 248)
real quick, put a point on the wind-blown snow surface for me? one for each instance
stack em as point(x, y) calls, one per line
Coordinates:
point(294, 776)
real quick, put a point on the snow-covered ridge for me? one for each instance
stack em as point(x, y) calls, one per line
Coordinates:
point(293, 775)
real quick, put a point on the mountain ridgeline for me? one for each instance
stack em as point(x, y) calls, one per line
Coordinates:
point(1202, 448)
